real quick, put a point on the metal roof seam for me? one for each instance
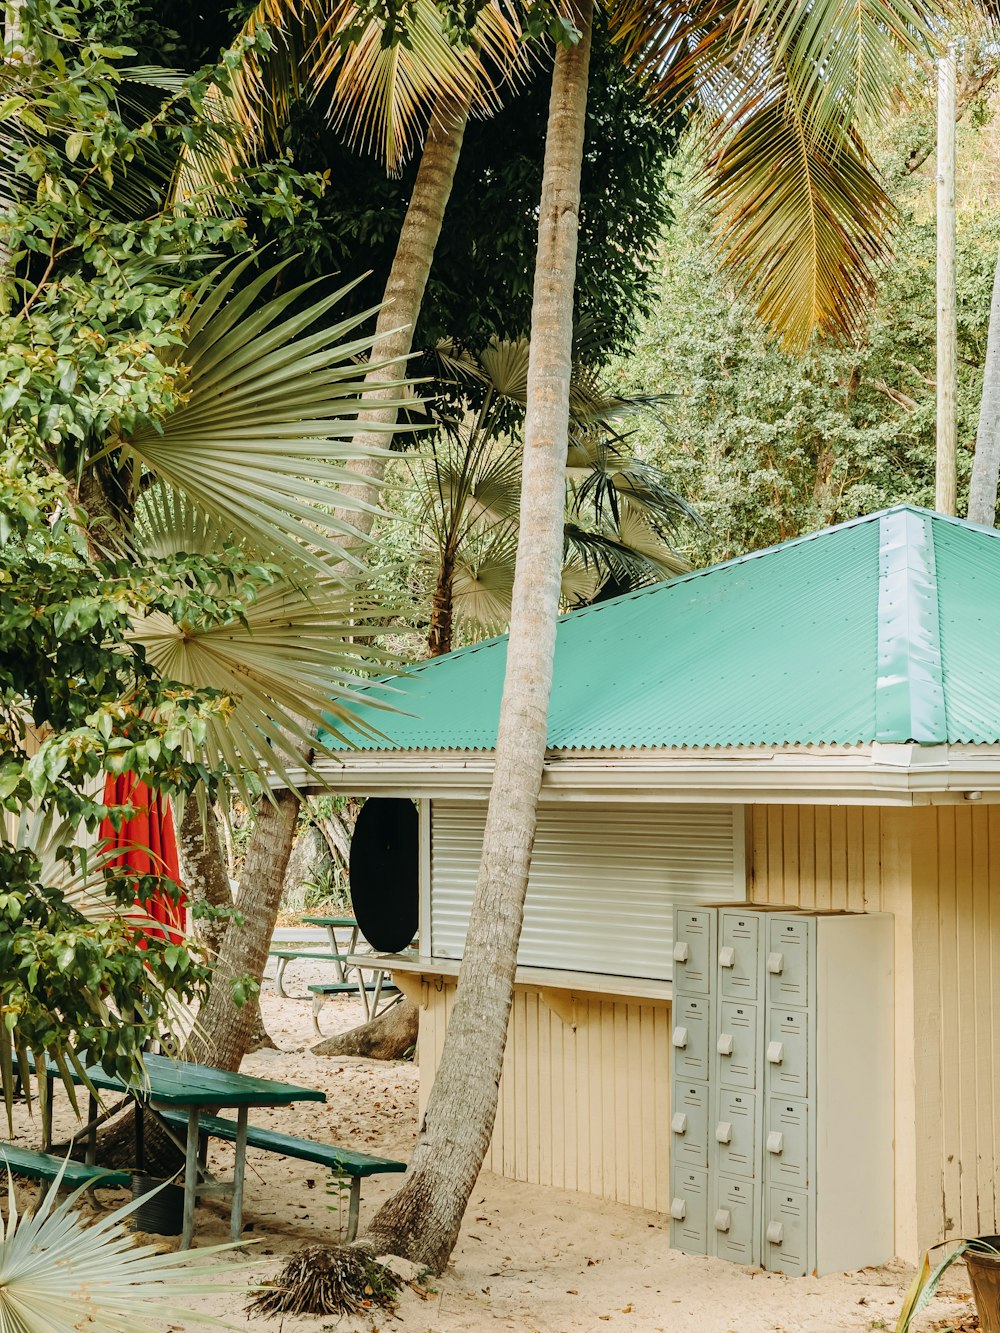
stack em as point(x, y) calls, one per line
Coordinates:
point(909, 686)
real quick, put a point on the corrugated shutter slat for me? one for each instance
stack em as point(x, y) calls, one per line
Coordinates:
point(603, 881)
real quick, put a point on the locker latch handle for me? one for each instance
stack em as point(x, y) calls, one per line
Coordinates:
point(775, 1142)
point(680, 1037)
point(775, 1052)
point(727, 956)
point(678, 1209)
point(775, 1233)
point(775, 963)
point(681, 951)
point(679, 1123)
point(724, 1132)
point(725, 1043)
point(722, 1220)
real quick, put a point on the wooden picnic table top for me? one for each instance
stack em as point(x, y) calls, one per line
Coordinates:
point(343, 921)
point(180, 1083)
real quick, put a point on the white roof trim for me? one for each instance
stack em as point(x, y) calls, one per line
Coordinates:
point(876, 774)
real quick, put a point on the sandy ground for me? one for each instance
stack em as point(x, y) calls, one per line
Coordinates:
point(529, 1258)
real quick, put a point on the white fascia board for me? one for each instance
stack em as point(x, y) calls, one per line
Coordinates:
point(818, 775)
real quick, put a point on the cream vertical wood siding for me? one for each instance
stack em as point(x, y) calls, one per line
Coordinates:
point(585, 1107)
point(938, 870)
point(603, 880)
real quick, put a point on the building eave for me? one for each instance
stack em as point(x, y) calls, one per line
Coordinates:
point(876, 774)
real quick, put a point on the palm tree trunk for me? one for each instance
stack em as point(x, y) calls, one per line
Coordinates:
point(442, 607)
point(404, 291)
point(225, 1028)
point(422, 1220)
point(986, 463)
point(268, 852)
point(204, 872)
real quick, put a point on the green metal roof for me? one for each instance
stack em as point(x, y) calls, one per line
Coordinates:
point(883, 628)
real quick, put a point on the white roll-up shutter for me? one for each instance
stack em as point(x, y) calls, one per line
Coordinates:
point(603, 881)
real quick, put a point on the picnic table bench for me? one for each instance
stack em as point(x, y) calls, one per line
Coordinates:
point(45, 1166)
point(376, 988)
point(342, 1161)
point(285, 956)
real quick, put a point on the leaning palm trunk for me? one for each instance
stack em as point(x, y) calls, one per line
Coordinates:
point(224, 1027)
point(244, 950)
point(986, 463)
point(422, 1221)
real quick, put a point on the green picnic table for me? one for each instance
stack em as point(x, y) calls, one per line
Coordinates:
point(331, 924)
point(178, 1086)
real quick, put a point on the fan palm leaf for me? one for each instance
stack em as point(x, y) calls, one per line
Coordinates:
point(58, 1271)
point(291, 666)
point(268, 422)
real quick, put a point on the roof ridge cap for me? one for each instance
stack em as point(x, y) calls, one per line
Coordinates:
point(909, 686)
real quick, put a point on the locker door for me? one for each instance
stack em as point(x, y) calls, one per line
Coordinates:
point(735, 1221)
point(739, 942)
point(736, 1133)
point(786, 1052)
point(786, 1232)
point(689, 1212)
point(787, 962)
point(689, 1124)
point(736, 1045)
point(694, 950)
point(691, 1037)
point(786, 1143)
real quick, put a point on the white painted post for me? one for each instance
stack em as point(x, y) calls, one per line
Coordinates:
point(946, 474)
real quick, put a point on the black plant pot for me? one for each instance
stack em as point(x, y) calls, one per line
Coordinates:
point(984, 1277)
point(162, 1213)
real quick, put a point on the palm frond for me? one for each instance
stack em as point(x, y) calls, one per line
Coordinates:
point(292, 669)
point(787, 91)
point(800, 221)
point(59, 1271)
point(382, 97)
point(484, 583)
point(269, 419)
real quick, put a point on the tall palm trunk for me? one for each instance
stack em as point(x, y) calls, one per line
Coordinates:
point(986, 463)
point(422, 1220)
point(227, 1027)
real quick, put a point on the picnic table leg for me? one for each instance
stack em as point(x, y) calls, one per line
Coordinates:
point(91, 1155)
point(378, 976)
point(364, 995)
point(190, 1179)
point(338, 966)
point(279, 977)
point(239, 1172)
point(140, 1135)
point(45, 1086)
point(354, 1208)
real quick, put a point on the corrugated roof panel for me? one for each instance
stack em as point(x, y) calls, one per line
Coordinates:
point(772, 648)
point(884, 628)
point(968, 577)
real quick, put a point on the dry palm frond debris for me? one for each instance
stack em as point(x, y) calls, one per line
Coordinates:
point(328, 1279)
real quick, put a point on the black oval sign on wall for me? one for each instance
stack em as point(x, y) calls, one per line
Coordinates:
point(384, 871)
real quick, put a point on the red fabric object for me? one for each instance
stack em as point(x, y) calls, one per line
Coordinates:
point(148, 847)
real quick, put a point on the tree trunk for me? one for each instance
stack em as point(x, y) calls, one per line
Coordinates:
point(388, 1037)
point(404, 293)
point(203, 870)
point(224, 1028)
point(986, 464)
point(422, 1220)
point(443, 607)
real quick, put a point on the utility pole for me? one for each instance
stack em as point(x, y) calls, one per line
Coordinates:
point(946, 471)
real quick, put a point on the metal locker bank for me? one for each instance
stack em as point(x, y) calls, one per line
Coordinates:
point(781, 1130)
